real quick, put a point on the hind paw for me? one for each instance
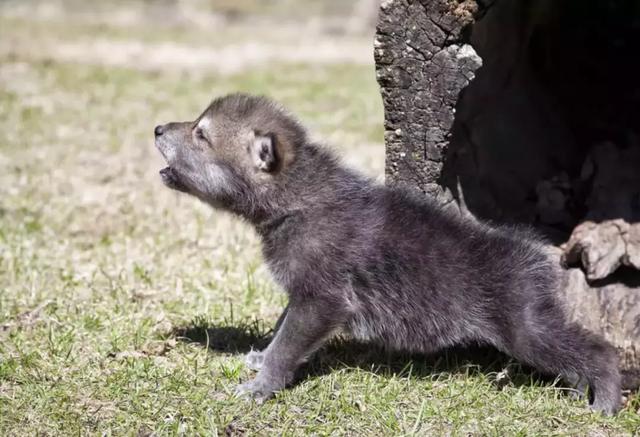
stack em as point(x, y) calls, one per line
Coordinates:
point(606, 407)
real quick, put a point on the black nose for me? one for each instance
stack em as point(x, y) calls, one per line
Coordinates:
point(158, 130)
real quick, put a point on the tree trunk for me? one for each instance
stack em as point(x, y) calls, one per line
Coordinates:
point(500, 109)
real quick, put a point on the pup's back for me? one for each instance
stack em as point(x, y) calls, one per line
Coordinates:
point(455, 278)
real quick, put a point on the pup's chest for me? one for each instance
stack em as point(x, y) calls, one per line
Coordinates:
point(284, 270)
point(298, 259)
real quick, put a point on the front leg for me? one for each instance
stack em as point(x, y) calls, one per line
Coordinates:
point(306, 326)
point(254, 359)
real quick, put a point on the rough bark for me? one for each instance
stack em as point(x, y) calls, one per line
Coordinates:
point(483, 110)
point(422, 66)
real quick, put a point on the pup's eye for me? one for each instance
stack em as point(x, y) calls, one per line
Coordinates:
point(200, 134)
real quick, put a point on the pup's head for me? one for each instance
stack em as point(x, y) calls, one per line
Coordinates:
point(237, 148)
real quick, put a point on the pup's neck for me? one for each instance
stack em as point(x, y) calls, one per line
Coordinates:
point(316, 181)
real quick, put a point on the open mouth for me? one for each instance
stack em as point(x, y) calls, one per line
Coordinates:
point(171, 179)
point(167, 173)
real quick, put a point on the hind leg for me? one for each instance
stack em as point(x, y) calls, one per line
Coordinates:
point(555, 347)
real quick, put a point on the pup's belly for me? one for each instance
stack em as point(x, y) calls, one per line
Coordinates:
point(416, 332)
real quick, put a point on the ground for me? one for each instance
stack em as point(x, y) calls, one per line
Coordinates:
point(112, 286)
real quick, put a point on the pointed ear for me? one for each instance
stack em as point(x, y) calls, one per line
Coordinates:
point(263, 152)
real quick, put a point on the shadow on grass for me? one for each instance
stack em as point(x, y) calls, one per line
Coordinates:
point(229, 336)
point(241, 336)
point(471, 361)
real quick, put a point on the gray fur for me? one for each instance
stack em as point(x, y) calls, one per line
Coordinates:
point(379, 262)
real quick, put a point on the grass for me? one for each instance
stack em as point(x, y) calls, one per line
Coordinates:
point(125, 308)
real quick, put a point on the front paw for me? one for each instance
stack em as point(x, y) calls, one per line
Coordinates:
point(254, 360)
point(256, 389)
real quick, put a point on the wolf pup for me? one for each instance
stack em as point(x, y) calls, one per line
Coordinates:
point(377, 262)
